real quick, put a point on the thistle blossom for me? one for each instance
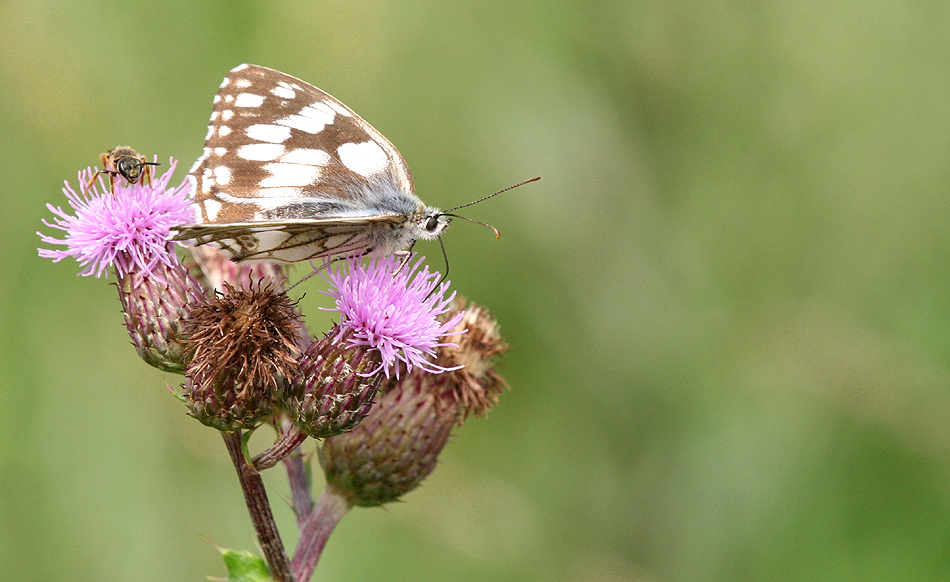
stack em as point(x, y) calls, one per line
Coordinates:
point(127, 230)
point(398, 444)
point(393, 308)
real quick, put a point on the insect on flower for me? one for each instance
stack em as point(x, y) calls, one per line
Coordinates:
point(126, 162)
point(291, 174)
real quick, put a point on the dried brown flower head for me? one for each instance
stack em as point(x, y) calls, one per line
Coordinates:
point(242, 345)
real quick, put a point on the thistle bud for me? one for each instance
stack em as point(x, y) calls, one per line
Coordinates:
point(398, 444)
point(126, 230)
point(154, 304)
point(241, 349)
point(335, 385)
point(388, 315)
point(469, 353)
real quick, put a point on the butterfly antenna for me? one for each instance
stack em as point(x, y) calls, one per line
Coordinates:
point(529, 180)
point(495, 230)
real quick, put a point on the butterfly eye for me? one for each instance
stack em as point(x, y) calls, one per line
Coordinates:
point(432, 223)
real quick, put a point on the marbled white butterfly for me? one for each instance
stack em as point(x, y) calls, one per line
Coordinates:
point(126, 162)
point(291, 174)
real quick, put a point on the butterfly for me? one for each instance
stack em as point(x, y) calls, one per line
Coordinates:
point(126, 162)
point(290, 174)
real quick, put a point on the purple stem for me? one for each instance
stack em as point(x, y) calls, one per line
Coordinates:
point(314, 531)
point(287, 443)
point(298, 474)
point(255, 496)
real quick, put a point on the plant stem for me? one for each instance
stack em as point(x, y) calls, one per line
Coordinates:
point(255, 496)
point(316, 528)
point(298, 474)
point(288, 441)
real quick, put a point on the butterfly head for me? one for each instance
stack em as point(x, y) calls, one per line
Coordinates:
point(433, 223)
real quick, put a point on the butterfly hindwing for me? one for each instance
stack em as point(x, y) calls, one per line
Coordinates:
point(293, 241)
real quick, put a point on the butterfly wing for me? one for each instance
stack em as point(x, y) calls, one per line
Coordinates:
point(280, 153)
point(292, 241)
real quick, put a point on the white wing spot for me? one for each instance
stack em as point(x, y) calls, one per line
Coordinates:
point(225, 82)
point(227, 199)
point(283, 91)
point(307, 157)
point(227, 114)
point(214, 115)
point(216, 99)
point(243, 83)
point(271, 198)
point(248, 100)
point(311, 119)
point(212, 208)
point(260, 152)
point(228, 98)
point(289, 175)
point(222, 175)
point(269, 133)
point(365, 158)
point(270, 239)
point(210, 132)
point(223, 130)
point(220, 151)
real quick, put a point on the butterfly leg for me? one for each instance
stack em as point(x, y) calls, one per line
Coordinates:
point(405, 255)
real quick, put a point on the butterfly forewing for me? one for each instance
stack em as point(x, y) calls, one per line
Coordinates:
point(289, 173)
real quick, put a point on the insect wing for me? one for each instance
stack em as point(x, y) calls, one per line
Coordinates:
point(278, 148)
point(290, 241)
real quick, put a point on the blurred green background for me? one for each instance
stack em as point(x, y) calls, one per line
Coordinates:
point(728, 299)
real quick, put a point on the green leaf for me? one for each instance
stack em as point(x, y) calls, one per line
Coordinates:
point(245, 566)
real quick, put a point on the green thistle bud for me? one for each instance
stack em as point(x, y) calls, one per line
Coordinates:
point(242, 348)
point(394, 448)
point(154, 302)
point(398, 443)
point(331, 393)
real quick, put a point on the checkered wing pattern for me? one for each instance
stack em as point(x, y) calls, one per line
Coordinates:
point(289, 173)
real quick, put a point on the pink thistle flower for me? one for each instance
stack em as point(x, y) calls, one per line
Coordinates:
point(126, 230)
point(393, 307)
